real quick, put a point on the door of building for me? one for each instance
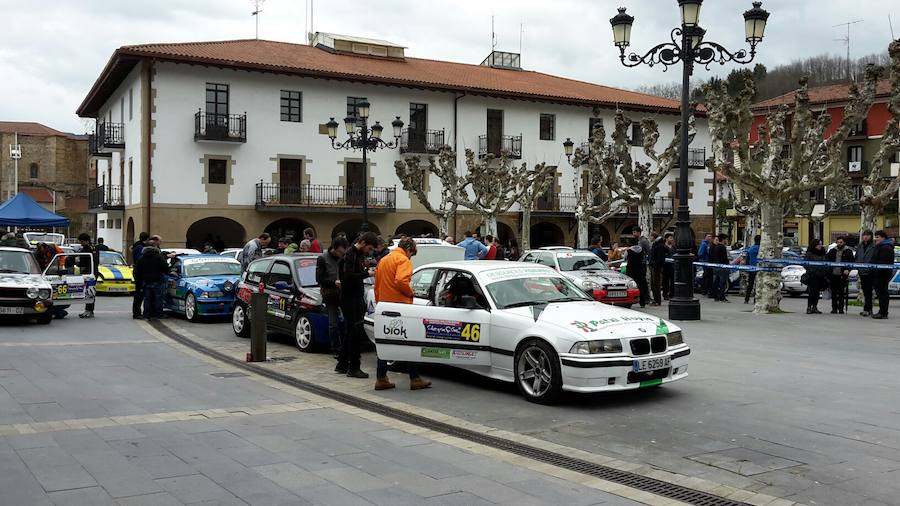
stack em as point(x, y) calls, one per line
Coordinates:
point(356, 183)
point(290, 177)
point(494, 131)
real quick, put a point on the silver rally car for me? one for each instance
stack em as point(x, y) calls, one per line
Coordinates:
point(24, 292)
point(527, 324)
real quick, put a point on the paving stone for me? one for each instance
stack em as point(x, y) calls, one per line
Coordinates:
point(555, 493)
point(744, 461)
point(254, 456)
point(456, 499)
point(352, 479)
point(25, 441)
point(55, 469)
point(290, 476)
point(116, 474)
point(332, 495)
point(17, 484)
point(484, 488)
point(254, 489)
point(91, 496)
point(158, 499)
point(194, 489)
point(117, 433)
point(399, 437)
point(420, 484)
point(393, 496)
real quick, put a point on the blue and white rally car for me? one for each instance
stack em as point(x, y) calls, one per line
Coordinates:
point(202, 285)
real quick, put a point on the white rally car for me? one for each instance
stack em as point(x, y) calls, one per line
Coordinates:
point(527, 324)
point(26, 292)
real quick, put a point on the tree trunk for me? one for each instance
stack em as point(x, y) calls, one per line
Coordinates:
point(443, 225)
point(817, 231)
point(645, 216)
point(490, 224)
point(583, 229)
point(868, 215)
point(525, 236)
point(750, 230)
point(768, 284)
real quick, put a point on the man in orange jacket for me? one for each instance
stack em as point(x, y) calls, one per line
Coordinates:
point(392, 284)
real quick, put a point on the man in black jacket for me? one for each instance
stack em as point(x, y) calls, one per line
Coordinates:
point(137, 304)
point(88, 247)
point(718, 254)
point(149, 274)
point(837, 278)
point(636, 269)
point(352, 272)
point(864, 253)
point(881, 278)
point(327, 266)
point(657, 264)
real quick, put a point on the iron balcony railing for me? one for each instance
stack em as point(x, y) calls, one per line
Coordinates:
point(696, 158)
point(661, 205)
point(110, 135)
point(421, 141)
point(220, 127)
point(94, 146)
point(494, 145)
point(106, 198)
point(323, 197)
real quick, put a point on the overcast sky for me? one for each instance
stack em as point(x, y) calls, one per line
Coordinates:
point(51, 51)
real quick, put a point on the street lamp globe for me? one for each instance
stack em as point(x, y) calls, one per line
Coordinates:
point(362, 109)
point(398, 126)
point(376, 130)
point(621, 26)
point(350, 124)
point(332, 127)
point(569, 147)
point(690, 12)
point(755, 23)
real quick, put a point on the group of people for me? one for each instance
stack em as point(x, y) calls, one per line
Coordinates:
point(488, 247)
point(150, 269)
point(259, 246)
point(716, 281)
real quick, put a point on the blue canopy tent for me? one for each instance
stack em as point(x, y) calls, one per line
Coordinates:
point(23, 211)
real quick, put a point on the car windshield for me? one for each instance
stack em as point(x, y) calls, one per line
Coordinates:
point(306, 272)
point(533, 291)
point(111, 258)
point(35, 238)
point(212, 268)
point(580, 263)
point(18, 262)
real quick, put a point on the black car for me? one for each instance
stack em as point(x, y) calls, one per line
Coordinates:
point(294, 306)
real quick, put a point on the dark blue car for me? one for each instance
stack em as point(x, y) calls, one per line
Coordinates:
point(202, 285)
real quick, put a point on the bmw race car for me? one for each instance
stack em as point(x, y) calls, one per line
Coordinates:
point(530, 325)
point(201, 285)
point(116, 275)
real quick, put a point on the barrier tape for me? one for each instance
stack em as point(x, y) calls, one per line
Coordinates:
point(817, 263)
point(733, 267)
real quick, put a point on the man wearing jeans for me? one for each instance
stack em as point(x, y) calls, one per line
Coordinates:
point(149, 273)
point(327, 277)
point(392, 284)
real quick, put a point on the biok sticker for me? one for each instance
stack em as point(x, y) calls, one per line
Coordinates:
point(452, 331)
point(394, 328)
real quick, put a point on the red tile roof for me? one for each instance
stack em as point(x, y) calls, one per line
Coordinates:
point(40, 195)
point(29, 128)
point(304, 60)
point(833, 93)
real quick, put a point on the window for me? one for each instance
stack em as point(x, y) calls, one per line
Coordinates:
point(101, 223)
point(280, 272)
point(33, 171)
point(418, 117)
point(257, 270)
point(290, 106)
point(593, 123)
point(637, 134)
point(122, 110)
point(454, 285)
point(353, 107)
point(421, 283)
point(130, 104)
point(217, 99)
point(546, 259)
point(548, 127)
point(119, 223)
point(130, 171)
point(528, 258)
point(854, 158)
point(218, 171)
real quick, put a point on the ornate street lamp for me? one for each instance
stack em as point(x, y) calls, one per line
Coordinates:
point(688, 47)
point(361, 136)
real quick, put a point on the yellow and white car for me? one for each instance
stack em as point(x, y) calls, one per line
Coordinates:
point(115, 275)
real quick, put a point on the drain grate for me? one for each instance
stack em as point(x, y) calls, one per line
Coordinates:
point(607, 473)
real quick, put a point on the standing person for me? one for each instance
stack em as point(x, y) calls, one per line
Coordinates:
point(668, 271)
point(657, 263)
point(718, 254)
point(449, 238)
point(254, 249)
point(597, 248)
point(100, 246)
point(838, 277)
point(614, 253)
point(310, 235)
point(864, 253)
point(327, 266)
point(881, 278)
point(352, 272)
point(703, 256)
point(88, 247)
point(752, 260)
point(149, 277)
point(381, 251)
point(474, 248)
point(137, 303)
point(818, 276)
point(491, 248)
point(513, 252)
point(501, 251)
point(283, 243)
point(138, 246)
point(392, 284)
point(636, 269)
point(641, 239)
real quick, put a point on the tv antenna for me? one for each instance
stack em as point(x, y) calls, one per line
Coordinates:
point(846, 40)
point(257, 4)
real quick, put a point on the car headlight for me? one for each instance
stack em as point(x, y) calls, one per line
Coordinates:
point(596, 347)
point(32, 292)
point(590, 285)
point(674, 338)
point(631, 283)
point(211, 295)
point(791, 278)
point(228, 286)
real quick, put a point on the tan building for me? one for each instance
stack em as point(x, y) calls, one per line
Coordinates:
point(53, 170)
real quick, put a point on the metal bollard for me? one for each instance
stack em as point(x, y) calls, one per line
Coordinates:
point(258, 332)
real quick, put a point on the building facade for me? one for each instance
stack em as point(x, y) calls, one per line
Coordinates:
point(221, 141)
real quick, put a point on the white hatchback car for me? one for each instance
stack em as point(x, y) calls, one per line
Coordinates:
point(527, 324)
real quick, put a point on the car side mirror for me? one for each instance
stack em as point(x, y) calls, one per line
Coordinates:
point(282, 285)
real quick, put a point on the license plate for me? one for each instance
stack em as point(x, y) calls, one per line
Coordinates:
point(651, 364)
point(117, 289)
point(12, 310)
point(616, 294)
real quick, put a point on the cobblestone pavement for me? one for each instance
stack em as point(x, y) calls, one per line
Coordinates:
point(105, 411)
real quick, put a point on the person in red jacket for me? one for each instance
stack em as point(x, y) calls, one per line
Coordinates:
point(314, 246)
point(492, 248)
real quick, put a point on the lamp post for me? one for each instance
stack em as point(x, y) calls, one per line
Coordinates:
point(688, 47)
point(361, 136)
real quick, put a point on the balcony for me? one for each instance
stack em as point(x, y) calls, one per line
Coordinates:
point(106, 198)
point(109, 136)
point(858, 169)
point(220, 127)
point(323, 198)
point(421, 141)
point(696, 158)
point(94, 147)
point(494, 145)
point(858, 131)
point(661, 206)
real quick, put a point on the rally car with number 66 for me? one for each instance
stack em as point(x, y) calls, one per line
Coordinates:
point(530, 325)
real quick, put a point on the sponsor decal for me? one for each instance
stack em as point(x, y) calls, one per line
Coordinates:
point(517, 272)
point(395, 328)
point(662, 328)
point(441, 353)
point(216, 259)
point(452, 330)
point(464, 355)
point(595, 325)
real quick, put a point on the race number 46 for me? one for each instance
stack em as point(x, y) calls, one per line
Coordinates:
point(471, 332)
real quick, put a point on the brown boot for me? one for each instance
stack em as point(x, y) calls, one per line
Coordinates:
point(383, 384)
point(419, 384)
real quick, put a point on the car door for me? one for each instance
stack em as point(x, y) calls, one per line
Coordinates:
point(71, 277)
point(175, 286)
point(422, 283)
point(443, 333)
point(279, 289)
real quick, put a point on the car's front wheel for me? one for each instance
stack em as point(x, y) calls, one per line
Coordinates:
point(190, 308)
point(240, 323)
point(538, 372)
point(303, 333)
point(45, 318)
